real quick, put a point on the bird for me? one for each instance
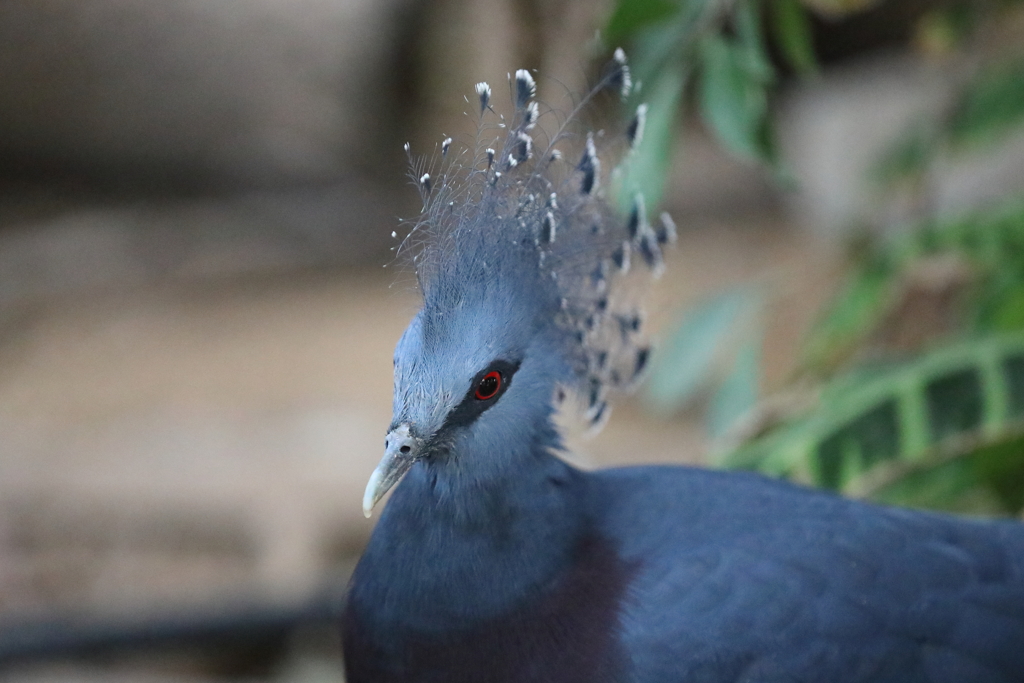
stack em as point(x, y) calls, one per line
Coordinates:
point(495, 560)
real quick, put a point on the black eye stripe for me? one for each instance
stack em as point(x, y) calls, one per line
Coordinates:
point(486, 389)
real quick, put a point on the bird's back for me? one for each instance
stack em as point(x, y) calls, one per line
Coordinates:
point(741, 578)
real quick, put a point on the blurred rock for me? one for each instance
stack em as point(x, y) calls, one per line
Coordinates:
point(463, 42)
point(835, 130)
point(705, 180)
point(248, 93)
point(92, 247)
point(972, 179)
point(168, 448)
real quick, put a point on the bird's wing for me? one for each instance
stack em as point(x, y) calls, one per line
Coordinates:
point(739, 578)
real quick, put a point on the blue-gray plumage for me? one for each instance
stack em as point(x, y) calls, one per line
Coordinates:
point(495, 560)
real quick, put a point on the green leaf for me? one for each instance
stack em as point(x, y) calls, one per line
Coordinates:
point(737, 394)
point(646, 169)
point(733, 101)
point(855, 445)
point(670, 43)
point(987, 479)
point(750, 40)
point(943, 430)
point(631, 15)
point(1008, 310)
point(951, 487)
point(990, 107)
point(792, 32)
point(1001, 467)
point(687, 362)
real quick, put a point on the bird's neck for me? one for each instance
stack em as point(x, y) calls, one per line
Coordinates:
point(450, 549)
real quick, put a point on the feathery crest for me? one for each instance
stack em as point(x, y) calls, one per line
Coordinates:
point(666, 229)
point(619, 76)
point(483, 91)
point(501, 219)
point(635, 130)
point(526, 88)
point(590, 167)
point(532, 114)
point(637, 217)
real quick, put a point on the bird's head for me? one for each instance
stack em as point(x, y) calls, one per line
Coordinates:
point(517, 252)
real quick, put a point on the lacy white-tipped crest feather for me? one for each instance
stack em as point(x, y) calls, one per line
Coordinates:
point(526, 88)
point(635, 130)
point(620, 76)
point(483, 91)
point(666, 229)
point(589, 167)
point(502, 217)
point(532, 114)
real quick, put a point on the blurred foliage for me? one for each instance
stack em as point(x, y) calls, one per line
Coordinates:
point(714, 347)
point(988, 242)
point(945, 430)
point(911, 389)
point(987, 108)
point(990, 106)
point(939, 424)
point(791, 30)
point(712, 55)
point(733, 86)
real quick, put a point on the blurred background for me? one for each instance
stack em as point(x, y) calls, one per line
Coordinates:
point(196, 205)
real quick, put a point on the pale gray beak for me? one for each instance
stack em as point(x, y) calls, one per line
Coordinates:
point(400, 452)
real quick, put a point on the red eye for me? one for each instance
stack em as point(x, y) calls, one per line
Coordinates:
point(488, 386)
